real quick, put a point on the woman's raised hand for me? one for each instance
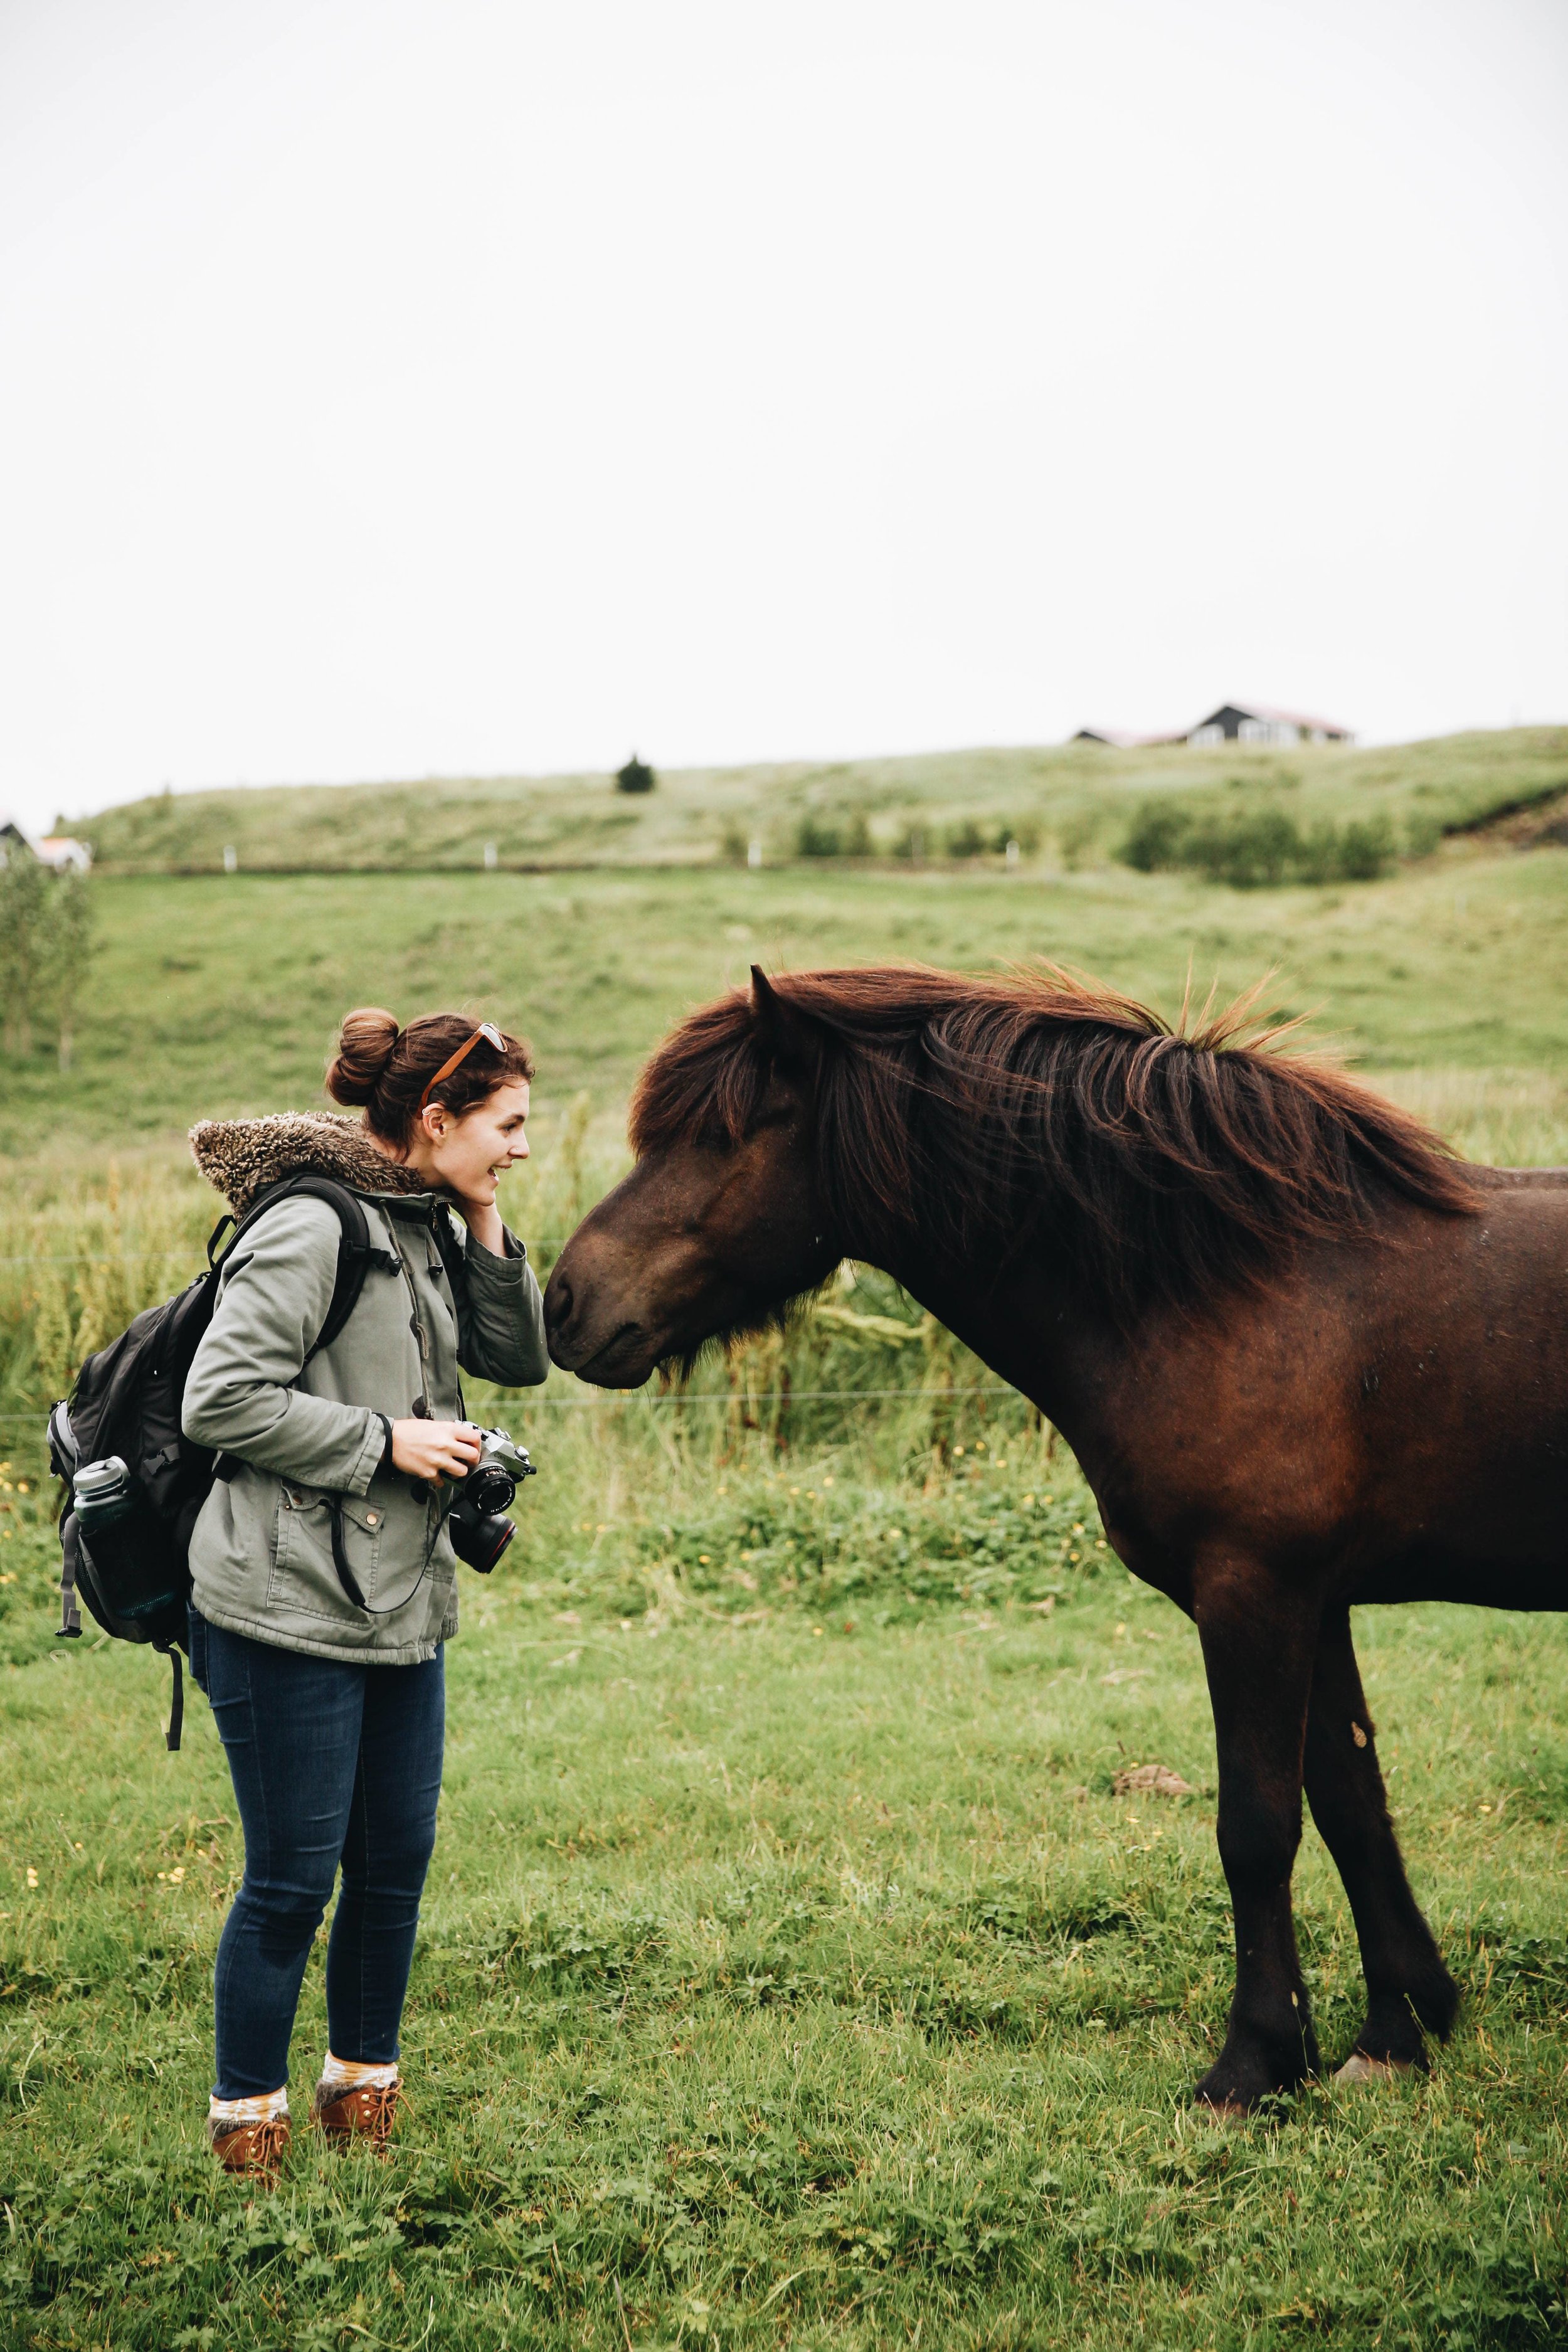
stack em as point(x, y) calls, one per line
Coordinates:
point(434, 1449)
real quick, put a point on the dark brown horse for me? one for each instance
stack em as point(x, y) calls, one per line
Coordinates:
point(1305, 1357)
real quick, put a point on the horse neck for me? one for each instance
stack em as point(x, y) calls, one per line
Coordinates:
point(1029, 1325)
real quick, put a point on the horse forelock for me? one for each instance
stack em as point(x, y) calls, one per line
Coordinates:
point(1165, 1160)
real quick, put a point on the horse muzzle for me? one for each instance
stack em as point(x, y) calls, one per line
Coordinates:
point(584, 1339)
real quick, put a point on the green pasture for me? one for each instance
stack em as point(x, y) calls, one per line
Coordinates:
point(792, 1972)
point(222, 994)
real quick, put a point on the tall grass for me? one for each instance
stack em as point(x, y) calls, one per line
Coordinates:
point(84, 1249)
point(862, 1376)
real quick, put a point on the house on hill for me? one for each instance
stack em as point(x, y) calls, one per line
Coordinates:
point(1257, 723)
point(56, 850)
point(63, 853)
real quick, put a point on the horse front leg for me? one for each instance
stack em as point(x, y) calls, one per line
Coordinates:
point(1409, 1991)
point(1259, 1638)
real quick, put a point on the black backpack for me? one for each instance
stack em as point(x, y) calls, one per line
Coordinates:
point(128, 1402)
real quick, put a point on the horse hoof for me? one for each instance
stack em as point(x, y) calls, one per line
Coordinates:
point(1359, 2068)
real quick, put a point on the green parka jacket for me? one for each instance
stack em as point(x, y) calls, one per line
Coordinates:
point(309, 1438)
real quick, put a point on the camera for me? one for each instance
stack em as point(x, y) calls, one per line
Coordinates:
point(475, 1524)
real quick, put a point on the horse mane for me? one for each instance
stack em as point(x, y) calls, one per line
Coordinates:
point(980, 1114)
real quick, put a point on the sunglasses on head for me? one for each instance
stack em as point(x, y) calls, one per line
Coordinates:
point(491, 1035)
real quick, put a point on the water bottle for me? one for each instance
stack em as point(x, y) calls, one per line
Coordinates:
point(118, 1540)
point(103, 1494)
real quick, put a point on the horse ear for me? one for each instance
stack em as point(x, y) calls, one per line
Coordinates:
point(789, 1036)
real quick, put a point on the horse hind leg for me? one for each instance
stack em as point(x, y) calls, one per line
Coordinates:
point(1410, 1993)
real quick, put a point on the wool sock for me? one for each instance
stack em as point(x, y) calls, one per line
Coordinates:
point(357, 2075)
point(227, 2114)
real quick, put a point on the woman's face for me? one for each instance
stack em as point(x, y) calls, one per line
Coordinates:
point(467, 1155)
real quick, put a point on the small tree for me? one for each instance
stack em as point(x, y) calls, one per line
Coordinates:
point(1367, 848)
point(1157, 838)
point(636, 776)
point(812, 838)
point(66, 951)
point(23, 889)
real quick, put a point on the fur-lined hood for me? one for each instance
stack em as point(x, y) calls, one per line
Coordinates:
point(240, 1157)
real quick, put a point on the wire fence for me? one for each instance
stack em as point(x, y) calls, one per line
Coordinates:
point(782, 1397)
point(767, 1401)
point(194, 1251)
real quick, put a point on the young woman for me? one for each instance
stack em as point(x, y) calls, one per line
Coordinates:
point(330, 1707)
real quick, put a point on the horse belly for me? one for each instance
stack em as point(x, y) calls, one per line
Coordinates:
point(1487, 1524)
point(1465, 1418)
point(1491, 1583)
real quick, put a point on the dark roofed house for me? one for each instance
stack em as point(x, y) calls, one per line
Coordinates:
point(1257, 723)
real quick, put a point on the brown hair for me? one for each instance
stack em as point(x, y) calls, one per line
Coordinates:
point(388, 1068)
point(984, 1110)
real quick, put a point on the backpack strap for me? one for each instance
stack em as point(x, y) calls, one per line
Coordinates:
point(357, 1253)
point(70, 1627)
point(177, 1703)
point(451, 1252)
point(64, 1458)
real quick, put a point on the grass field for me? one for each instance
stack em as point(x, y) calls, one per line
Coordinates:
point(791, 1972)
point(213, 996)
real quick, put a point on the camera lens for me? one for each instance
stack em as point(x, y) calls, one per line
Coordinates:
point(489, 1489)
point(480, 1541)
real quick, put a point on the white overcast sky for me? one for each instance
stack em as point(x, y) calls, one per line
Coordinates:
point(393, 387)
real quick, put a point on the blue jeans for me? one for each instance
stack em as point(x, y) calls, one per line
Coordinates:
point(330, 1764)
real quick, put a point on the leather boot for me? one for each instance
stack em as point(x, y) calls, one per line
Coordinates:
point(257, 2148)
point(348, 2113)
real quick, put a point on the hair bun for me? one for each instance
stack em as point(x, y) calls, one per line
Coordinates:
point(365, 1046)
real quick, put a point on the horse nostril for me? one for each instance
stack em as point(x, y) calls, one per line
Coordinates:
point(560, 1300)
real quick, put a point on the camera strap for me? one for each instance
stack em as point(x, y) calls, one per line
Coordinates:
point(346, 1575)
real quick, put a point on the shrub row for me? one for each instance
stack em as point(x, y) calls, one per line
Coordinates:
point(822, 836)
point(1250, 848)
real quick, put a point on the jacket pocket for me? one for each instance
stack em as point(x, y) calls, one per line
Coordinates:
point(304, 1573)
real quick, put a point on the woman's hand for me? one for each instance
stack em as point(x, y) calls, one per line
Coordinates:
point(483, 1220)
point(434, 1450)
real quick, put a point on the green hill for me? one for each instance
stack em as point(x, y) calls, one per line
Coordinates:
point(1068, 805)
